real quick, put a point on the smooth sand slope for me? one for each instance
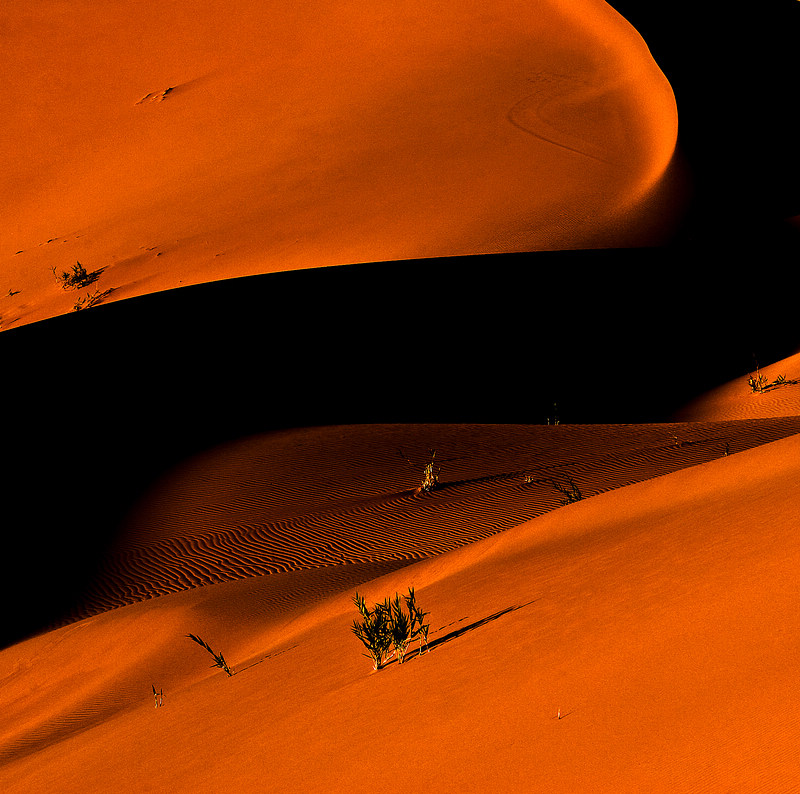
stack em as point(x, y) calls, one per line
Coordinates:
point(659, 617)
point(163, 145)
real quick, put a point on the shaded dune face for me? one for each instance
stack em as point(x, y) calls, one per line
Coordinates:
point(345, 496)
point(195, 142)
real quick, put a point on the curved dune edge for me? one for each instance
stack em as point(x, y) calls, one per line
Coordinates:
point(204, 141)
point(339, 496)
point(657, 619)
point(736, 399)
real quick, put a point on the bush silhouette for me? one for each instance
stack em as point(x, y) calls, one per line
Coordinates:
point(219, 659)
point(77, 278)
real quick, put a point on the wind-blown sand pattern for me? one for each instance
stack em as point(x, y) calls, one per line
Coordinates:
point(179, 468)
point(341, 496)
point(196, 142)
point(656, 619)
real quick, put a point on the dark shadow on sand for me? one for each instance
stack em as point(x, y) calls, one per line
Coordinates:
point(454, 635)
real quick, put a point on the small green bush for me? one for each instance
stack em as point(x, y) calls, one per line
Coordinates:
point(430, 473)
point(373, 630)
point(392, 625)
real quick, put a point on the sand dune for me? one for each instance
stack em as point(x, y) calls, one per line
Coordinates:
point(640, 638)
point(778, 395)
point(195, 142)
point(346, 495)
point(657, 617)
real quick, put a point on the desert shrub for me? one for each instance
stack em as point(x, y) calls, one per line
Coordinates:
point(91, 300)
point(757, 382)
point(392, 625)
point(219, 659)
point(373, 630)
point(77, 278)
point(569, 491)
point(430, 473)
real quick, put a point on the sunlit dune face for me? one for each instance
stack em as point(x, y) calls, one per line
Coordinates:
point(641, 638)
point(189, 142)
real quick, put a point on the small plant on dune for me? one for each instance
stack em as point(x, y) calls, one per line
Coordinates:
point(394, 625)
point(91, 300)
point(430, 473)
point(158, 696)
point(373, 630)
point(757, 382)
point(419, 629)
point(77, 278)
point(570, 492)
point(219, 659)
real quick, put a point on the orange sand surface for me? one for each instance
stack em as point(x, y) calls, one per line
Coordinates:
point(168, 144)
point(780, 395)
point(640, 638)
point(657, 616)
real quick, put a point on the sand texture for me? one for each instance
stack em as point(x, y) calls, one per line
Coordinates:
point(544, 249)
point(197, 141)
point(657, 617)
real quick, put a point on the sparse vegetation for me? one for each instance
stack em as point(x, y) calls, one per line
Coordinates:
point(91, 300)
point(77, 278)
point(759, 383)
point(430, 473)
point(158, 696)
point(390, 626)
point(219, 659)
point(569, 491)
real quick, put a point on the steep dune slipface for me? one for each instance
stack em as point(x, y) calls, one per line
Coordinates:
point(194, 141)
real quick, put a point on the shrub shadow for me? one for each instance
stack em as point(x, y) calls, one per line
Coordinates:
point(455, 634)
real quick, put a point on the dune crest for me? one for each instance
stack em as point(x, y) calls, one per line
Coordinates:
point(207, 141)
